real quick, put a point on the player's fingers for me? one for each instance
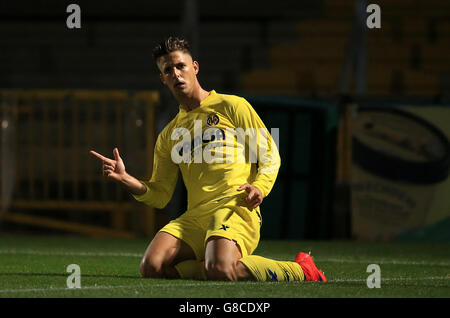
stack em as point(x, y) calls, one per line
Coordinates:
point(108, 168)
point(251, 195)
point(108, 165)
point(116, 154)
point(255, 201)
point(253, 206)
point(254, 195)
point(103, 158)
point(245, 187)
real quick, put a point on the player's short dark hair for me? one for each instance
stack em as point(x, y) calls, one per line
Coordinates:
point(169, 45)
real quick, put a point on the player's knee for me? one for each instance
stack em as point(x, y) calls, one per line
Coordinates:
point(220, 271)
point(154, 268)
point(151, 268)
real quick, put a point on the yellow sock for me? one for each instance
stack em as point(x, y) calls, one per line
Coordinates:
point(191, 269)
point(265, 269)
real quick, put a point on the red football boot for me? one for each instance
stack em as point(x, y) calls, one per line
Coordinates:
point(309, 268)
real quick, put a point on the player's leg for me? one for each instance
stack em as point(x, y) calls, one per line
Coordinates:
point(163, 253)
point(265, 269)
point(231, 233)
point(224, 262)
point(222, 257)
point(230, 241)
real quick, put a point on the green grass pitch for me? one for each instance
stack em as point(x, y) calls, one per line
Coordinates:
point(36, 266)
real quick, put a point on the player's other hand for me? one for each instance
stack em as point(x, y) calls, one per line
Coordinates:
point(254, 197)
point(112, 168)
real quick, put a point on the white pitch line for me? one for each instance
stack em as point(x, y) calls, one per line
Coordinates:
point(28, 290)
point(381, 261)
point(393, 279)
point(58, 253)
point(202, 284)
point(119, 254)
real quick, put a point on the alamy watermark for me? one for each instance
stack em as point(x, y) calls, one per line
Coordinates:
point(73, 21)
point(374, 19)
point(74, 279)
point(374, 279)
point(216, 145)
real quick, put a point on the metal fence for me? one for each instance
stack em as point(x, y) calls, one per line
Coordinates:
point(48, 177)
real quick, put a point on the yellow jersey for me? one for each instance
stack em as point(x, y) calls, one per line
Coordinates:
point(218, 146)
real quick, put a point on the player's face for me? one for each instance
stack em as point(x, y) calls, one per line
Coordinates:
point(178, 72)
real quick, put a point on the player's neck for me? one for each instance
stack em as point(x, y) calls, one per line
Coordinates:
point(190, 102)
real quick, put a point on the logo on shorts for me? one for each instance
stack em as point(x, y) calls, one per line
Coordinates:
point(212, 120)
point(224, 227)
point(273, 275)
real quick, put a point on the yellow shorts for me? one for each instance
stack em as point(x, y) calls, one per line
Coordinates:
point(226, 219)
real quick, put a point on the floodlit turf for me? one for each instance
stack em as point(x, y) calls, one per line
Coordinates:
point(34, 266)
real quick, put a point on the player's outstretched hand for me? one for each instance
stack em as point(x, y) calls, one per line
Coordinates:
point(254, 197)
point(112, 169)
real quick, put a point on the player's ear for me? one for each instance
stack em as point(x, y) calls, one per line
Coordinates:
point(159, 65)
point(161, 77)
point(196, 67)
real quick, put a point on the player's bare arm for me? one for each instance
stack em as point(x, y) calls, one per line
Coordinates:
point(114, 169)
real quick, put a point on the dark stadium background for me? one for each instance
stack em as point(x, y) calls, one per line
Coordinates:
point(307, 67)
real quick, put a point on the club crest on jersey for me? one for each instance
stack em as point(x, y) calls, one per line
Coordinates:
point(212, 120)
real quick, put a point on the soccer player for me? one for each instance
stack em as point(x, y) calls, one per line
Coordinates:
point(229, 164)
